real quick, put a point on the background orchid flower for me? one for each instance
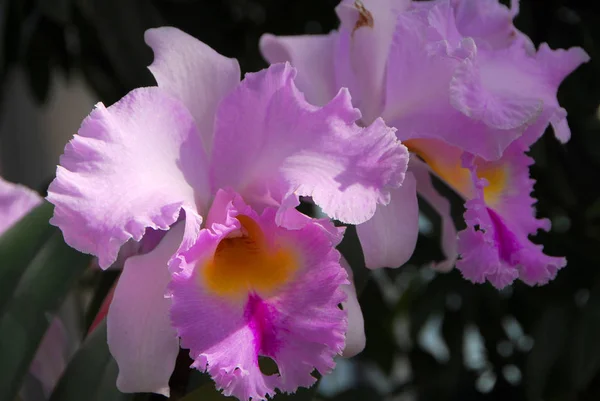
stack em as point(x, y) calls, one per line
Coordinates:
point(500, 215)
point(221, 164)
point(56, 349)
point(448, 74)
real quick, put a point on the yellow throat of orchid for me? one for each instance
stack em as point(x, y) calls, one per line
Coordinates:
point(445, 161)
point(249, 263)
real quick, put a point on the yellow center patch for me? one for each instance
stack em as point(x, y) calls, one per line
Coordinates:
point(246, 263)
point(445, 161)
point(496, 177)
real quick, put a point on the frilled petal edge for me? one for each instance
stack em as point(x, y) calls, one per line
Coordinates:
point(267, 134)
point(131, 166)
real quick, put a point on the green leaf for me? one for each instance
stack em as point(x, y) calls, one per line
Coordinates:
point(19, 245)
point(34, 303)
point(92, 373)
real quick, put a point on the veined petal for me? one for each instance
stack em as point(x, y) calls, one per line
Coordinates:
point(229, 314)
point(194, 73)
point(388, 239)
point(495, 246)
point(15, 202)
point(131, 166)
point(140, 336)
point(312, 55)
point(267, 133)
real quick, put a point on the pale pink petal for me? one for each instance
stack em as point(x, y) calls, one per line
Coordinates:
point(509, 88)
point(473, 93)
point(441, 205)
point(267, 133)
point(427, 60)
point(355, 336)
point(312, 55)
point(489, 22)
point(368, 27)
point(15, 202)
point(294, 220)
point(557, 65)
point(194, 73)
point(131, 166)
point(388, 239)
point(461, 73)
point(140, 336)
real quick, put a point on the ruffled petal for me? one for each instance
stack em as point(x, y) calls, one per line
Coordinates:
point(495, 246)
point(510, 88)
point(428, 62)
point(510, 77)
point(140, 336)
point(312, 55)
point(297, 323)
point(472, 94)
point(267, 133)
point(497, 85)
point(558, 64)
point(355, 336)
point(489, 22)
point(388, 239)
point(15, 202)
point(131, 166)
point(194, 73)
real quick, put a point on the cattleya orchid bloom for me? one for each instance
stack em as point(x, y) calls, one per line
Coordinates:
point(221, 164)
point(468, 94)
point(56, 346)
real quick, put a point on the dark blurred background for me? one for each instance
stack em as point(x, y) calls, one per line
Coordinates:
point(430, 336)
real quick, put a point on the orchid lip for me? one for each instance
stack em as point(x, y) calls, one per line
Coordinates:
point(249, 262)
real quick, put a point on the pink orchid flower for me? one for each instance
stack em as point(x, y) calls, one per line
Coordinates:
point(221, 164)
point(454, 77)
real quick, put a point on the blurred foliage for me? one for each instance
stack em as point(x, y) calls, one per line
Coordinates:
point(531, 343)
